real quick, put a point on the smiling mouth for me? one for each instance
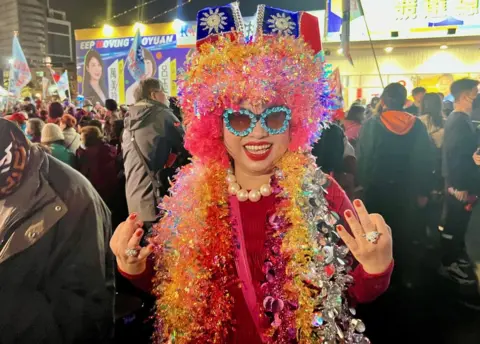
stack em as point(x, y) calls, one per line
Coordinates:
point(258, 149)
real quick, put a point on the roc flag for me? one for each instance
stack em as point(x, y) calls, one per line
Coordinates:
point(63, 86)
point(135, 59)
point(20, 74)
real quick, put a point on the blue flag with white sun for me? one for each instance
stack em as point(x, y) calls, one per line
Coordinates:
point(135, 59)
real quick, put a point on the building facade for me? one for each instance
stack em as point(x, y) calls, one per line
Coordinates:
point(29, 19)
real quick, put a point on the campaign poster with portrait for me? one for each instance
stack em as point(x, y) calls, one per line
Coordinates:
point(101, 67)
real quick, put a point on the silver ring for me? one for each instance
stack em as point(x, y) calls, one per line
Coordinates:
point(372, 237)
point(131, 252)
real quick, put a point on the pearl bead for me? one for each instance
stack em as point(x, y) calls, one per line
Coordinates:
point(265, 190)
point(231, 178)
point(242, 195)
point(254, 195)
point(233, 188)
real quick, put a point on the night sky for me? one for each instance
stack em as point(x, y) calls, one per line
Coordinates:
point(86, 13)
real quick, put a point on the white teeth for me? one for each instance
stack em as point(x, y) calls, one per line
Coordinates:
point(258, 149)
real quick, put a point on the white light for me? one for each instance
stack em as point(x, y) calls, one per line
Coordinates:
point(340, 51)
point(10, 61)
point(139, 26)
point(178, 24)
point(107, 30)
point(388, 50)
point(444, 47)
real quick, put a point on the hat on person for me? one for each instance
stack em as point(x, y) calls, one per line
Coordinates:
point(17, 117)
point(51, 133)
point(14, 155)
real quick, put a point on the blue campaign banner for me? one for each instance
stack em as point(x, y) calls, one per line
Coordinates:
point(103, 72)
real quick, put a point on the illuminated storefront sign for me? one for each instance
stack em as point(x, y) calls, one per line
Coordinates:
point(408, 18)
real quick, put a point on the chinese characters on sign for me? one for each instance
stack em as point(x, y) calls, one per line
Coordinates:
point(407, 9)
point(436, 8)
point(412, 9)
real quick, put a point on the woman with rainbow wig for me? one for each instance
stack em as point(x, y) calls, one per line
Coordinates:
point(256, 244)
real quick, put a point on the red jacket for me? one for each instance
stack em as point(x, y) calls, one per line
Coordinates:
point(98, 163)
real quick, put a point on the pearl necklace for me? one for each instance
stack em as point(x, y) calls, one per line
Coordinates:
point(243, 195)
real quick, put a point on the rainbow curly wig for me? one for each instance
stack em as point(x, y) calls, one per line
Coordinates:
point(279, 70)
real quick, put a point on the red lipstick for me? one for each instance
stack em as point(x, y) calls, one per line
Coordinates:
point(258, 151)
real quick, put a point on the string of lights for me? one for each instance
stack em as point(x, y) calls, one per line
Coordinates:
point(134, 8)
point(137, 7)
point(168, 11)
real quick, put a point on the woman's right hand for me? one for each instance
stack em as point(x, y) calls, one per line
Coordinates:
point(125, 244)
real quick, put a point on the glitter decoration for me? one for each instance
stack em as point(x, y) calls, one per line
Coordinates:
point(306, 274)
point(271, 70)
point(306, 270)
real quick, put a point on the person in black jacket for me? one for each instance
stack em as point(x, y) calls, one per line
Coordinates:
point(158, 135)
point(56, 271)
point(395, 165)
point(461, 175)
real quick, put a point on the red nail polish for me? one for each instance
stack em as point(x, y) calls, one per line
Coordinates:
point(348, 214)
point(139, 233)
point(339, 228)
point(133, 216)
point(358, 203)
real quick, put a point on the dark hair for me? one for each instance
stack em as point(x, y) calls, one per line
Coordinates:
point(356, 113)
point(27, 99)
point(394, 96)
point(418, 90)
point(147, 55)
point(374, 101)
point(432, 106)
point(111, 105)
point(461, 86)
point(146, 87)
point(68, 120)
point(36, 124)
point(92, 53)
point(55, 110)
point(96, 123)
point(91, 135)
point(84, 121)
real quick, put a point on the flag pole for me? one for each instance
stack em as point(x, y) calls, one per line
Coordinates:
point(371, 42)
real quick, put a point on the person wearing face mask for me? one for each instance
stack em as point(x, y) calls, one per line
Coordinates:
point(152, 134)
point(247, 249)
point(34, 129)
point(56, 273)
point(462, 178)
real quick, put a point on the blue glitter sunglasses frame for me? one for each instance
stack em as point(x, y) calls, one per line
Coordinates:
point(255, 118)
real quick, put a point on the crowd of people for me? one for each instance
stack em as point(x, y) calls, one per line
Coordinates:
point(428, 160)
point(242, 217)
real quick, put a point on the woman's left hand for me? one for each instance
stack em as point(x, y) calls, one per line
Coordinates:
point(375, 256)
